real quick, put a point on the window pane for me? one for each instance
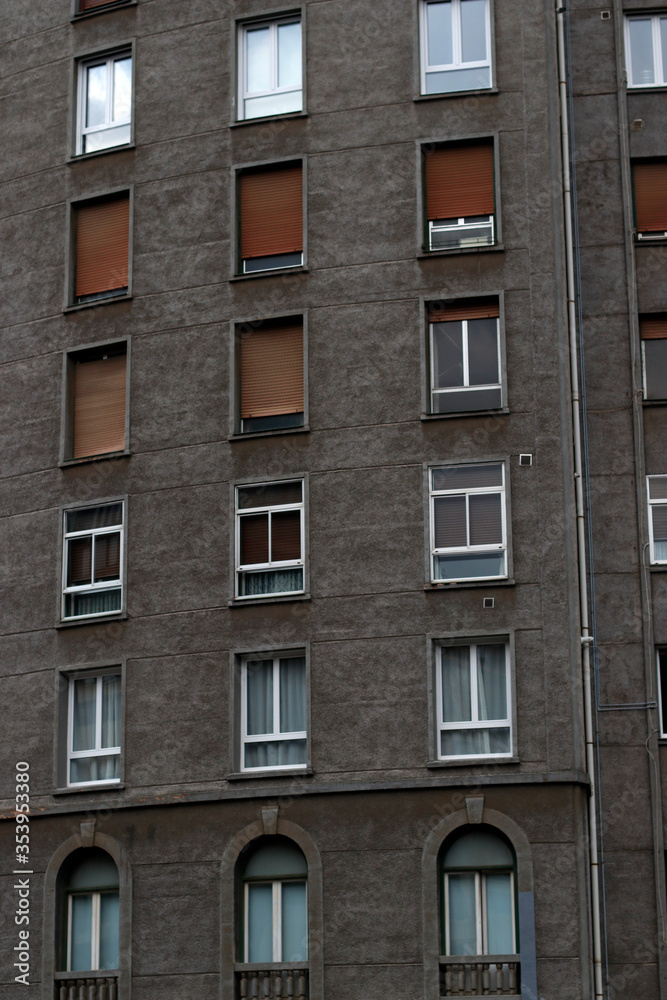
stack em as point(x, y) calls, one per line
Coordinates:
point(474, 742)
point(486, 522)
point(447, 355)
point(456, 705)
point(641, 51)
point(109, 912)
point(96, 95)
point(481, 849)
point(450, 522)
point(106, 768)
point(92, 604)
point(294, 922)
point(491, 682)
point(111, 711)
point(655, 366)
point(499, 904)
point(454, 80)
point(279, 753)
point(660, 531)
point(107, 557)
point(663, 46)
point(293, 695)
point(473, 30)
point(81, 929)
point(122, 89)
point(467, 400)
point(657, 487)
point(269, 495)
point(467, 477)
point(83, 721)
point(469, 567)
point(274, 104)
point(260, 923)
point(462, 915)
point(106, 138)
point(483, 352)
point(79, 561)
point(258, 53)
point(259, 688)
point(254, 530)
point(285, 535)
point(95, 517)
point(277, 581)
point(289, 55)
point(439, 32)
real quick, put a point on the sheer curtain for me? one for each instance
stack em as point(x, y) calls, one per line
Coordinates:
point(456, 698)
point(275, 581)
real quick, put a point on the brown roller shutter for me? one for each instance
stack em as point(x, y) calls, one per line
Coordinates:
point(450, 312)
point(91, 4)
point(272, 371)
point(653, 327)
point(254, 539)
point(459, 181)
point(271, 212)
point(102, 246)
point(285, 535)
point(650, 197)
point(99, 406)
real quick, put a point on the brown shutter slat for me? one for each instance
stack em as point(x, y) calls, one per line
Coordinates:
point(451, 312)
point(653, 327)
point(99, 406)
point(272, 371)
point(90, 4)
point(285, 535)
point(459, 181)
point(650, 180)
point(271, 212)
point(102, 246)
point(254, 539)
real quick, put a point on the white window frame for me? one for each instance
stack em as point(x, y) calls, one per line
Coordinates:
point(98, 750)
point(476, 723)
point(466, 230)
point(660, 70)
point(92, 588)
point(466, 365)
point(275, 565)
point(481, 917)
point(95, 929)
point(651, 505)
point(277, 919)
point(468, 548)
point(81, 129)
point(276, 736)
point(457, 64)
point(244, 95)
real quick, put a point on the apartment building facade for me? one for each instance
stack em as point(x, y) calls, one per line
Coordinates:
point(291, 648)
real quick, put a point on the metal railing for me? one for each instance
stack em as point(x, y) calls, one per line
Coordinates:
point(279, 981)
point(86, 986)
point(480, 976)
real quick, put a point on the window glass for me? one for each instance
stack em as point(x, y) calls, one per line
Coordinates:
point(473, 30)
point(81, 932)
point(483, 352)
point(499, 913)
point(274, 717)
point(260, 923)
point(270, 73)
point(105, 103)
point(275, 903)
point(655, 368)
point(109, 928)
point(473, 703)
point(259, 63)
point(462, 915)
point(455, 46)
point(266, 541)
point(641, 51)
point(439, 33)
point(92, 561)
point(94, 729)
point(289, 55)
point(294, 929)
point(96, 104)
point(122, 89)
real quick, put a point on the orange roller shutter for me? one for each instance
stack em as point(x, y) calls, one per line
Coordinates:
point(653, 327)
point(456, 311)
point(271, 212)
point(102, 246)
point(650, 180)
point(272, 372)
point(459, 181)
point(99, 406)
point(90, 4)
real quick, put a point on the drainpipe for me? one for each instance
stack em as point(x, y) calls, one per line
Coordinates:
point(586, 638)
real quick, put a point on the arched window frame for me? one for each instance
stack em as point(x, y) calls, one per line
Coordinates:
point(276, 882)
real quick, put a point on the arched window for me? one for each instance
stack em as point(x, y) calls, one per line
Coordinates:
point(478, 895)
point(90, 912)
point(274, 880)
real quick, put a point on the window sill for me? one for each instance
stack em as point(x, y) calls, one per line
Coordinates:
point(251, 602)
point(427, 417)
point(111, 300)
point(658, 568)
point(93, 787)
point(103, 10)
point(654, 402)
point(456, 93)
point(101, 152)
point(654, 88)
point(298, 772)
point(460, 585)
point(92, 458)
point(118, 616)
point(470, 761)
point(270, 272)
point(261, 966)
point(268, 118)
point(426, 254)
point(262, 434)
point(659, 241)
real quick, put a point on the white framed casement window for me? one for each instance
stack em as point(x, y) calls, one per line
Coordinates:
point(104, 102)
point(275, 904)
point(270, 539)
point(92, 913)
point(468, 523)
point(657, 518)
point(270, 68)
point(465, 361)
point(646, 50)
point(94, 730)
point(473, 701)
point(455, 37)
point(273, 713)
point(93, 561)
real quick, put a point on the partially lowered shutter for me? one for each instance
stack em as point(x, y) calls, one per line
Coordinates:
point(271, 212)
point(459, 181)
point(99, 406)
point(102, 246)
point(272, 371)
point(452, 312)
point(650, 182)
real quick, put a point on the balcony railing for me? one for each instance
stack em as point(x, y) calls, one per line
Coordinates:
point(480, 976)
point(86, 986)
point(279, 981)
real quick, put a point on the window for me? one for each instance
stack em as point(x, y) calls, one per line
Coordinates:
point(464, 356)
point(478, 895)
point(654, 351)
point(91, 912)
point(94, 724)
point(455, 46)
point(102, 240)
point(473, 700)
point(270, 68)
point(662, 689)
point(273, 713)
point(271, 387)
point(104, 104)
point(657, 519)
point(646, 50)
point(269, 539)
point(275, 907)
point(271, 218)
point(650, 188)
point(460, 198)
point(86, 5)
point(93, 561)
point(96, 412)
point(468, 534)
